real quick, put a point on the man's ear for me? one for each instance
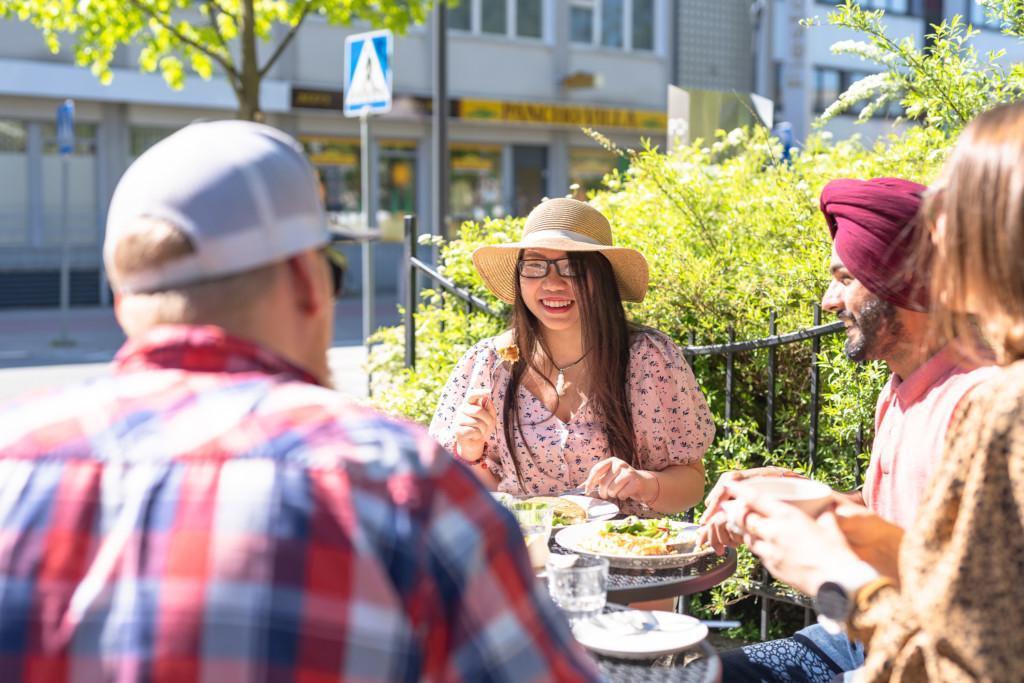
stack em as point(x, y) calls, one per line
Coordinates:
point(308, 290)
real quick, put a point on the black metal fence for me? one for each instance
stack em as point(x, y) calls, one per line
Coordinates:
point(727, 351)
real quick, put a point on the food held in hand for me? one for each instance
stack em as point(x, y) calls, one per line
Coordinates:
point(643, 537)
point(566, 511)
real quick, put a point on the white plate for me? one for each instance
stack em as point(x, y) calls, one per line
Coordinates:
point(574, 538)
point(635, 634)
point(597, 508)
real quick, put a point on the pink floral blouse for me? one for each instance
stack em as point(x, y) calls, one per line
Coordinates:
point(671, 419)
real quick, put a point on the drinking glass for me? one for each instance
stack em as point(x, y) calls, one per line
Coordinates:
point(535, 523)
point(577, 584)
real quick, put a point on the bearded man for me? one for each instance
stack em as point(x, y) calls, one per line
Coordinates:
point(880, 295)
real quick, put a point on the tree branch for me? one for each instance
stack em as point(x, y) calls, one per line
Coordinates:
point(225, 62)
point(214, 10)
point(286, 41)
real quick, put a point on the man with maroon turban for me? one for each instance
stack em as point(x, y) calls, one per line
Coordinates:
point(878, 290)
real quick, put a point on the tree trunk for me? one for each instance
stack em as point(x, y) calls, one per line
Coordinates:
point(248, 92)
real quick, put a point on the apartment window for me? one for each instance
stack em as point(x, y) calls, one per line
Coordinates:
point(510, 18)
point(827, 86)
point(14, 189)
point(620, 24)
point(831, 83)
point(581, 23)
point(460, 16)
point(778, 71)
point(979, 18)
point(528, 16)
point(890, 6)
point(494, 16)
point(643, 24)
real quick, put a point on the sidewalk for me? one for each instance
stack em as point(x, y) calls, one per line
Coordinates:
point(29, 359)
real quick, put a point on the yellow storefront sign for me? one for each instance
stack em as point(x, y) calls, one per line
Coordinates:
point(562, 115)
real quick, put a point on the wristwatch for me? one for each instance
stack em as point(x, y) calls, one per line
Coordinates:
point(836, 598)
point(834, 605)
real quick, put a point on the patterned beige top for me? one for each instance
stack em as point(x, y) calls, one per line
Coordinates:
point(959, 615)
point(671, 419)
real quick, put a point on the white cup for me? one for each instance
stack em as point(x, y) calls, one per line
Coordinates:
point(811, 496)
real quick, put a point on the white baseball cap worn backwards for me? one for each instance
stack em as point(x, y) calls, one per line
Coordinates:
point(244, 194)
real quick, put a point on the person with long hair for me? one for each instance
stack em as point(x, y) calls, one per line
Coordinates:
point(573, 394)
point(945, 606)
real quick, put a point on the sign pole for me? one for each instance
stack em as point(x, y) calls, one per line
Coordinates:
point(65, 145)
point(368, 222)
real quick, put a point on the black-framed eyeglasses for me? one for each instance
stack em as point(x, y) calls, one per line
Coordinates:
point(337, 262)
point(536, 268)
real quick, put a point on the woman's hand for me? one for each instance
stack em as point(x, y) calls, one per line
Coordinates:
point(715, 528)
point(615, 478)
point(474, 424)
point(796, 548)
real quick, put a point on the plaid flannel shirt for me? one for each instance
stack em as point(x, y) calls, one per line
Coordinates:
point(207, 512)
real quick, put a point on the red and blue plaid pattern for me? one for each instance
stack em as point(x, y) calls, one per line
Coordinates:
point(208, 513)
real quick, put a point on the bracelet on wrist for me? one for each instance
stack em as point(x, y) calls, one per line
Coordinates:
point(479, 462)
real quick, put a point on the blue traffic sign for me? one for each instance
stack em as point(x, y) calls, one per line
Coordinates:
point(66, 127)
point(368, 74)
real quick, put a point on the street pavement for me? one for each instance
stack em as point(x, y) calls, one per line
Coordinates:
point(33, 357)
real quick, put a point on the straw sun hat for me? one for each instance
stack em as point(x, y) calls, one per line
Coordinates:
point(562, 225)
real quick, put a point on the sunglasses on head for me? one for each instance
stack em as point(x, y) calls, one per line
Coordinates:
point(337, 262)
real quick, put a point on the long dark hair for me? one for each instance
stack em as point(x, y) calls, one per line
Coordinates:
point(606, 341)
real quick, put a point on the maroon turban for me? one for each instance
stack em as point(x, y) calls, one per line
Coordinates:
point(873, 228)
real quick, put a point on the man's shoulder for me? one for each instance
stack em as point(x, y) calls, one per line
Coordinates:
point(158, 411)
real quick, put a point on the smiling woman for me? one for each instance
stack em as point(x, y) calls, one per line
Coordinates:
point(573, 394)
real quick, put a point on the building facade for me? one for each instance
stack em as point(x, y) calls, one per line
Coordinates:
point(524, 76)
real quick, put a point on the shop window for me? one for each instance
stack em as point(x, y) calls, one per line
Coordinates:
point(396, 189)
point(510, 18)
point(337, 164)
point(475, 191)
point(14, 189)
point(83, 213)
point(588, 167)
point(143, 137)
point(619, 24)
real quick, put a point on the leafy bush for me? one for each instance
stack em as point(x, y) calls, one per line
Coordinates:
point(732, 235)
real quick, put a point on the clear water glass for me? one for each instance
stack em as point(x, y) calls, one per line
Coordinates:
point(535, 523)
point(578, 585)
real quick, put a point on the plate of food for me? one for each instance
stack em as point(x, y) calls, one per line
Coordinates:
point(633, 634)
point(634, 543)
point(573, 509)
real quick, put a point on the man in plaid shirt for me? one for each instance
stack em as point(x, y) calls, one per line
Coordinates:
point(210, 510)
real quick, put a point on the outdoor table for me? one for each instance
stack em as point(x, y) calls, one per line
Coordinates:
point(639, 585)
point(705, 669)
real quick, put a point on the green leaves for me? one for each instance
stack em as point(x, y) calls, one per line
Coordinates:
point(194, 36)
point(945, 84)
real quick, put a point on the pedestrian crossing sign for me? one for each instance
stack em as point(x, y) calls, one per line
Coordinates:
point(368, 75)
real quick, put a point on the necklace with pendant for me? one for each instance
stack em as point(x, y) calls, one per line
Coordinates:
point(560, 381)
